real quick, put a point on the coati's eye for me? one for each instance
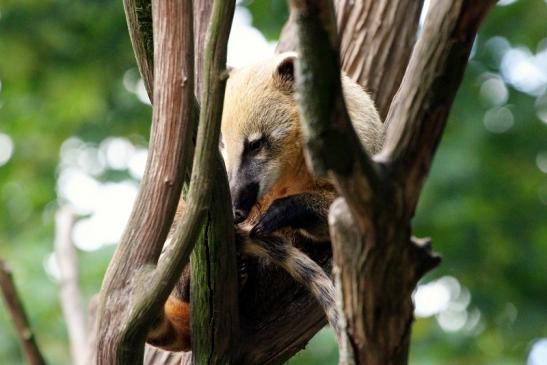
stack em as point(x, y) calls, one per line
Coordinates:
point(253, 147)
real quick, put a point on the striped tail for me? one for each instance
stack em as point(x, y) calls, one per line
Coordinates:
point(301, 267)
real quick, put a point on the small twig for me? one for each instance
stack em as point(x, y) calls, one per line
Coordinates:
point(69, 290)
point(19, 317)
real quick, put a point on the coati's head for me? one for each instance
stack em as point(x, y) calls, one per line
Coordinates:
point(260, 139)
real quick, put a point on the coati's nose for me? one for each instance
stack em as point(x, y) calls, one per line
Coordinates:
point(243, 199)
point(239, 216)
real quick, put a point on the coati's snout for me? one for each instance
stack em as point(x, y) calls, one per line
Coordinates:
point(251, 172)
point(243, 199)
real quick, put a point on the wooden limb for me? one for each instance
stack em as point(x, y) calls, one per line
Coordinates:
point(69, 289)
point(205, 158)
point(420, 109)
point(15, 308)
point(202, 16)
point(377, 264)
point(376, 272)
point(127, 304)
point(288, 40)
point(214, 282)
point(376, 40)
point(138, 14)
point(331, 142)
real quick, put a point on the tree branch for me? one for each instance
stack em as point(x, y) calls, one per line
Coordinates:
point(214, 283)
point(15, 307)
point(377, 37)
point(376, 40)
point(69, 289)
point(215, 311)
point(420, 109)
point(138, 14)
point(202, 17)
point(331, 141)
point(124, 312)
point(205, 159)
point(377, 263)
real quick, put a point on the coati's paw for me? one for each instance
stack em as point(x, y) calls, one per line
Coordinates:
point(281, 213)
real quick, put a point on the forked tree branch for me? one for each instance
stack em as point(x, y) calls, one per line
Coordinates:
point(206, 154)
point(420, 109)
point(15, 308)
point(377, 262)
point(214, 292)
point(376, 272)
point(127, 304)
point(330, 138)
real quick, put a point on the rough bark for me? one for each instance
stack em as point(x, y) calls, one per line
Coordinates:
point(30, 349)
point(420, 109)
point(128, 302)
point(202, 16)
point(376, 40)
point(215, 317)
point(377, 262)
point(377, 37)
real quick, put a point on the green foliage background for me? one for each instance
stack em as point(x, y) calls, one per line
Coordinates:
point(485, 205)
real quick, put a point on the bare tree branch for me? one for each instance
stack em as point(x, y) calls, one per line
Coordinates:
point(377, 37)
point(202, 16)
point(206, 154)
point(69, 289)
point(139, 22)
point(420, 109)
point(15, 307)
point(330, 138)
point(377, 262)
point(126, 304)
point(215, 312)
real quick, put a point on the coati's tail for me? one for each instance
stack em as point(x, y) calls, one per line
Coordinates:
point(171, 331)
point(301, 267)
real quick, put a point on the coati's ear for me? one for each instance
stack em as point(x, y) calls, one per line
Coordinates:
point(228, 71)
point(284, 72)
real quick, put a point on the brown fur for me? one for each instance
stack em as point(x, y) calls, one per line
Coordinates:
point(260, 100)
point(172, 332)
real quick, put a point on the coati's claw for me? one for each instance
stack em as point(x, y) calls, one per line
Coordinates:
point(242, 271)
point(276, 217)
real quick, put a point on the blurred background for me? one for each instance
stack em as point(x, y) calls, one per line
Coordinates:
point(74, 125)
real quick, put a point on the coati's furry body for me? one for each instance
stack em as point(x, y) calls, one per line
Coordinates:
point(274, 197)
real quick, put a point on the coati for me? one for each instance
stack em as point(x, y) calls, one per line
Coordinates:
point(275, 199)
